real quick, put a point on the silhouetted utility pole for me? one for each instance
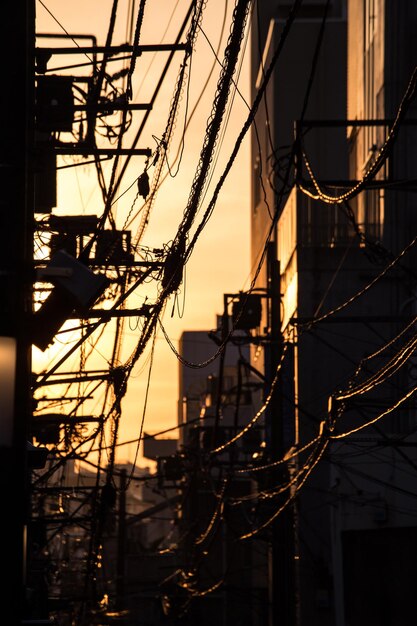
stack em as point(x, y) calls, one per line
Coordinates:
point(121, 543)
point(281, 555)
point(16, 211)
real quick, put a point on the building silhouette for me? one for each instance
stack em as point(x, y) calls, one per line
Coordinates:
point(216, 402)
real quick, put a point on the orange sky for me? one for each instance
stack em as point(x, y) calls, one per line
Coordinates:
point(220, 261)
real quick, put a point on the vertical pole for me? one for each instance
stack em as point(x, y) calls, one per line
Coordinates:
point(282, 605)
point(298, 153)
point(16, 207)
point(121, 543)
point(224, 333)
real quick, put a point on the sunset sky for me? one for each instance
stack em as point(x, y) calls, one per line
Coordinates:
point(220, 261)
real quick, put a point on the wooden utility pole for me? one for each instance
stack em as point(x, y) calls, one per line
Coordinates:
point(16, 210)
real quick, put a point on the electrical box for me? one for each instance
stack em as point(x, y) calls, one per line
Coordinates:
point(171, 468)
point(113, 246)
point(69, 232)
point(74, 224)
point(247, 312)
point(64, 241)
point(54, 103)
point(45, 433)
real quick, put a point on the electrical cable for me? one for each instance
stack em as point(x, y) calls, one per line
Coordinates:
point(284, 35)
point(379, 377)
point(195, 12)
point(380, 158)
point(358, 294)
point(247, 124)
point(320, 451)
point(135, 48)
point(164, 144)
point(203, 89)
point(240, 14)
point(260, 412)
point(142, 423)
point(273, 492)
point(376, 419)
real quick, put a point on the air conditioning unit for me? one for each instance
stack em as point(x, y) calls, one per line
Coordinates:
point(247, 312)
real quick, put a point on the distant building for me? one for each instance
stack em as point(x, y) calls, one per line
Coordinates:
point(199, 385)
point(224, 580)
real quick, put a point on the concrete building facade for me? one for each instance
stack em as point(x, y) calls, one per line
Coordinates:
point(346, 300)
